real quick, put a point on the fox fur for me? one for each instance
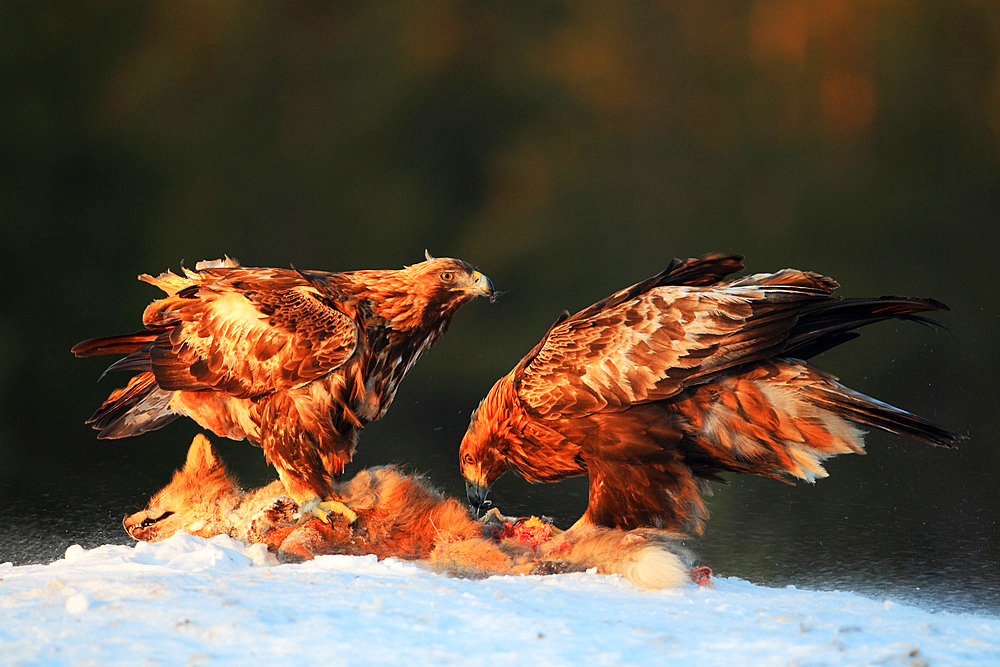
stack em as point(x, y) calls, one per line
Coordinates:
point(402, 516)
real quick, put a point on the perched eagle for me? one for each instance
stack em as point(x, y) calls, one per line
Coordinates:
point(296, 362)
point(660, 387)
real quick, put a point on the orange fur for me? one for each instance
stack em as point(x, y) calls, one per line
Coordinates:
point(399, 516)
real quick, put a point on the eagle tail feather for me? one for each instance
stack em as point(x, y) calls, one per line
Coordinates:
point(785, 419)
point(868, 411)
point(138, 407)
point(125, 344)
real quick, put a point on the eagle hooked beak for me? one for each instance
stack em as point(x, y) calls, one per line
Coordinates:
point(477, 497)
point(483, 286)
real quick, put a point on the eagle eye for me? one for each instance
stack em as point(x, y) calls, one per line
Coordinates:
point(447, 276)
point(468, 459)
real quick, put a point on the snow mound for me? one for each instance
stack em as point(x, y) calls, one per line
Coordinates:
point(189, 599)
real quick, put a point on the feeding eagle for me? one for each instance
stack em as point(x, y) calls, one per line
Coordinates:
point(660, 387)
point(296, 362)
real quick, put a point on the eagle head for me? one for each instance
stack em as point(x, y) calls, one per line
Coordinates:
point(452, 281)
point(483, 452)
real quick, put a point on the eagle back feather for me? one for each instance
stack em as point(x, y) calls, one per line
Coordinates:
point(650, 341)
point(654, 345)
point(697, 271)
point(247, 332)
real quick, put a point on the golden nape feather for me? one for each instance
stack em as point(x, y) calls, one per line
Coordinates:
point(294, 361)
point(659, 388)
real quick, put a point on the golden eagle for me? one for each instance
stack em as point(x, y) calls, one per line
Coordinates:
point(660, 387)
point(294, 361)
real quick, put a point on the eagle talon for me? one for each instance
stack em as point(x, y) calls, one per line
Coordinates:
point(493, 517)
point(325, 511)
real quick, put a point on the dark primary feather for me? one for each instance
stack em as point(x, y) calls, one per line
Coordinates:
point(834, 322)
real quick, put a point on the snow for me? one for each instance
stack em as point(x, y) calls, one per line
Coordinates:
point(192, 600)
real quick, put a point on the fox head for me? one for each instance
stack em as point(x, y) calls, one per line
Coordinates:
point(197, 500)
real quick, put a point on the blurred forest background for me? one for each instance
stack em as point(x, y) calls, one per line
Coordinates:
point(567, 149)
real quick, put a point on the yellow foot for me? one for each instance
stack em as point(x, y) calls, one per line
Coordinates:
point(325, 510)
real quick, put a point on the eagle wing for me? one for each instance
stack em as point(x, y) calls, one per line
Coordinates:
point(652, 340)
point(245, 332)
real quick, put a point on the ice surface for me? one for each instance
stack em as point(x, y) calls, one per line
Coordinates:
point(192, 600)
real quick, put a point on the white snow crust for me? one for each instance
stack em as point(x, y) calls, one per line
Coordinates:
point(189, 600)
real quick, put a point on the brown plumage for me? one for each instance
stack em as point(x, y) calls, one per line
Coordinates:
point(294, 361)
point(660, 387)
